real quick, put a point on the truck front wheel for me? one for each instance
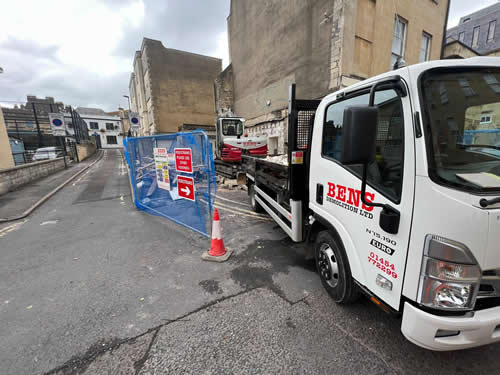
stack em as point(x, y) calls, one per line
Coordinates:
point(256, 207)
point(333, 268)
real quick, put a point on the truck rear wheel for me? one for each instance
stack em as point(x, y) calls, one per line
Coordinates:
point(256, 207)
point(333, 268)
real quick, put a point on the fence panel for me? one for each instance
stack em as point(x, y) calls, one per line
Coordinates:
point(173, 176)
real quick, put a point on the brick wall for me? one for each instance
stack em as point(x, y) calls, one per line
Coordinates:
point(13, 178)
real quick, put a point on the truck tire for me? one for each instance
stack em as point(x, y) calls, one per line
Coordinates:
point(256, 207)
point(333, 268)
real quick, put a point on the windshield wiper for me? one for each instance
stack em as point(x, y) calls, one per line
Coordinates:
point(488, 202)
point(479, 146)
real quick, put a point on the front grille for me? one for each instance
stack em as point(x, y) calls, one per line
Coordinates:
point(489, 290)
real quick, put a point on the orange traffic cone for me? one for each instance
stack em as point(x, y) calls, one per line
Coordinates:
point(217, 252)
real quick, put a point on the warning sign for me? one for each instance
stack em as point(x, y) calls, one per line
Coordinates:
point(185, 187)
point(161, 163)
point(183, 160)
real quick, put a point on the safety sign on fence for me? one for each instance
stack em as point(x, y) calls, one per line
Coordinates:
point(173, 176)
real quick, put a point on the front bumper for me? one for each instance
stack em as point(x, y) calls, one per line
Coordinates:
point(421, 327)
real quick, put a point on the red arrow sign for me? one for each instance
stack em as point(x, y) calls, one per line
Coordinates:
point(185, 187)
point(183, 160)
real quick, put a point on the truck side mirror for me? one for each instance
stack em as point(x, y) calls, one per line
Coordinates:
point(359, 135)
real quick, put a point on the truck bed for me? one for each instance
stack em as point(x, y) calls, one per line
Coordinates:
point(273, 176)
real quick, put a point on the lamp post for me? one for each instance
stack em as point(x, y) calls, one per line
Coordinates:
point(129, 124)
point(128, 98)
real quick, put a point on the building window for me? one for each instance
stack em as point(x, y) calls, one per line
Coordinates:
point(465, 85)
point(110, 126)
point(485, 118)
point(461, 36)
point(398, 40)
point(466, 20)
point(111, 140)
point(94, 125)
point(491, 30)
point(425, 47)
point(492, 82)
point(475, 37)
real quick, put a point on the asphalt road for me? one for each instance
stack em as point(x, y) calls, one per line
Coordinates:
point(90, 285)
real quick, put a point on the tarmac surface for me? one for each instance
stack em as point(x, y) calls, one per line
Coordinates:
point(90, 285)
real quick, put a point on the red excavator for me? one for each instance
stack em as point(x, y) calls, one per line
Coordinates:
point(232, 141)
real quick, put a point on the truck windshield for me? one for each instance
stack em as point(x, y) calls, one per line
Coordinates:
point(232, 127)
point(462, 118)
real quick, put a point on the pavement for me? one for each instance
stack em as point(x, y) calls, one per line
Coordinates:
point(90, 285)
point(15, 203)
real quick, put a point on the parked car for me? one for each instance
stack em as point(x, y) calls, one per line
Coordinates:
point(46, 153)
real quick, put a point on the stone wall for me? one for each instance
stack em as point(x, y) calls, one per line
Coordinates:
point(276, 43)
point(224, 95)
point(85, 150)
point(175, 88)
point(13, 178)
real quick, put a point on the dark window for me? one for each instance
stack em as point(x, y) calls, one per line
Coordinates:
point(491, 30)
point(232, 127)
point(110, 126)
point(461, 36)
point(111, 140)
point(475, 37)
point(386, 173)
point(94, 125)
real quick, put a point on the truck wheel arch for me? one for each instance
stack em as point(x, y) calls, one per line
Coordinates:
point(354, 262)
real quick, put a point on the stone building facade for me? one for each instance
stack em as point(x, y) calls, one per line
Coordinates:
point(479, 31)
point(169, 88)
point(6, 159)
point(477, 34)
point(322, 46)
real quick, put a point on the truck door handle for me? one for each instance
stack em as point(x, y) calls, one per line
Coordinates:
point(319, 193)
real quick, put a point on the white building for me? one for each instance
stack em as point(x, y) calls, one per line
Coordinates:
point(107, 130)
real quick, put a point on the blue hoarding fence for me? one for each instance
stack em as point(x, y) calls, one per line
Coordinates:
point(173, 176)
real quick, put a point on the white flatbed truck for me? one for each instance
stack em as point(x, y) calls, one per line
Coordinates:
point(396, 182)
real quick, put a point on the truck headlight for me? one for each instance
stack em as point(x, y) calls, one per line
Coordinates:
point(449, 277)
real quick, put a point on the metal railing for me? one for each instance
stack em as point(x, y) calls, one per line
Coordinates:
point(31, 156)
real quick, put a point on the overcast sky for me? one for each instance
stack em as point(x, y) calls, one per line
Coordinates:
point(81, 51)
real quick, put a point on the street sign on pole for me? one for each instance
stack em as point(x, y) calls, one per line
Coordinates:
point(57, 124)
point(185, 187)
point(135, 123)
point(183, 160)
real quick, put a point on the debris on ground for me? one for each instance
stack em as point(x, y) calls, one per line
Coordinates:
point(278, 159)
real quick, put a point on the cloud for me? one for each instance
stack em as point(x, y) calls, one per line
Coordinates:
point(81, 51)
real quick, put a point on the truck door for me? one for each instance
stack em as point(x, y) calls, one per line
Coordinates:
point(335, 189)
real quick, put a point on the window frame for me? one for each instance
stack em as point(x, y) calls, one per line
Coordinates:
point(428, 37)
point(359, 92)
point(115, 137)
point(96, 124)
point(112, 126)
point(478, 28)
point(461, 36)
point(490, 24)
point(397, 19)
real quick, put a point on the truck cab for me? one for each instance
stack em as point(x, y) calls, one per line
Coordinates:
point(401, 199)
